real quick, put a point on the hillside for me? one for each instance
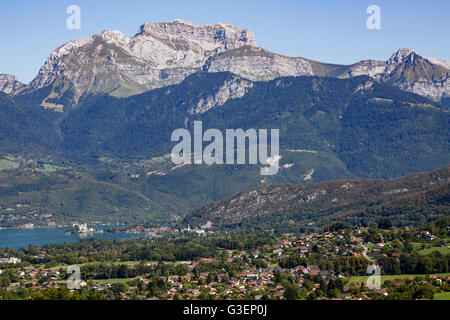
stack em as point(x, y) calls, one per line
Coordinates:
point(106, 106)
point(329, 129)
point(46, 199)
point(161, 54)
point(414, 199)
point(26, 129)
point(373, 129)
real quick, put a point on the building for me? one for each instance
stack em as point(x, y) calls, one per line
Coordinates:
point(10, 260)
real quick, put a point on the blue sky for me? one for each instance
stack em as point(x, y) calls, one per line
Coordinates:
point(328, 31)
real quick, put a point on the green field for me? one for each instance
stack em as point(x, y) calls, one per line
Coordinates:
point(442, 250)
point(442, 296)
point(128, 263)
point(112, 281)
point(47, 168)
point(359, 279)
point(7, 164)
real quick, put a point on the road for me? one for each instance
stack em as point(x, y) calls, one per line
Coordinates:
point(364, 253)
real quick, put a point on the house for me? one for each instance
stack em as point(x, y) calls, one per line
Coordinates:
point(427, 236)
point(10, 260)
point(314, 270)
point(396, 256)
point(303, 249)
point(324, 273)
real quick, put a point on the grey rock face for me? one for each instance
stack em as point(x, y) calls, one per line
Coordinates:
point(409, 71)
point(159, 54)
point(257, 64)
point(166, 53)
point(9, 84)
point(231, 89)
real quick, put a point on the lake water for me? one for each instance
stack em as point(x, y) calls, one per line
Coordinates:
point(18, 238)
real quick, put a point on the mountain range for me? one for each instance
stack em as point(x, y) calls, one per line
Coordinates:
point(102, 110)
point(160, 54)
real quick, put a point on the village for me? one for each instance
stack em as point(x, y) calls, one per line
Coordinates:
point(329, 265)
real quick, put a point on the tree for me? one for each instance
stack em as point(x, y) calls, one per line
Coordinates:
point(4, 281)
point(323, 285)
point(122, 271)
point(291, 291)
point(384, 223)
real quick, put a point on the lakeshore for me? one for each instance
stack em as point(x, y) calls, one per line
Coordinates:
point(18, 238)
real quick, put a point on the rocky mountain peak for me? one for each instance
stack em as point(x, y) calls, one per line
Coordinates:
point(159, 54)
point(410, 71)
point(402, 55)
point(113, 36)
point(8, 77)
point(9, 84)
point(210, 37)
point(165, 53)
point(405, 55)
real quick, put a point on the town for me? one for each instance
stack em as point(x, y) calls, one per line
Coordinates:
point(331, 264)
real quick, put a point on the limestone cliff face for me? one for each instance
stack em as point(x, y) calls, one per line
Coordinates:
point(9, 84)
point(257, 64)
point(409, 71)
point(160, 54)
point(234, 88)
